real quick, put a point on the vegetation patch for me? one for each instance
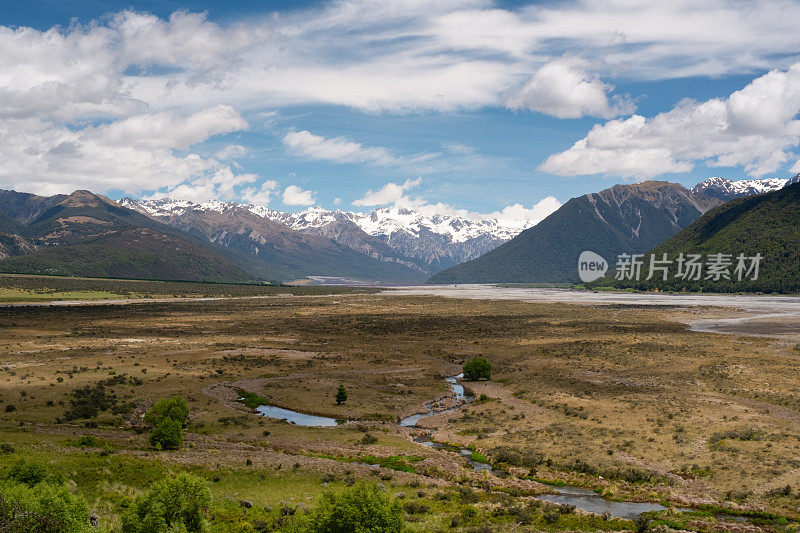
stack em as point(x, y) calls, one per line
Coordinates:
point(251, 399)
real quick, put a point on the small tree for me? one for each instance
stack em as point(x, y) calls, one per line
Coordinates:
point(174, 408)
point(177, 504)
point(167, 434)
point(341, 394)
point(478, 368)
point(360, 508)
point(167, 418)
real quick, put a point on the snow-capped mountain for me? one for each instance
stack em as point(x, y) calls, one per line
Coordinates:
point(435, 240)
point(726, 189)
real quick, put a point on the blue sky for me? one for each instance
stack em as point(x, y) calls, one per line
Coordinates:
point(474, 105)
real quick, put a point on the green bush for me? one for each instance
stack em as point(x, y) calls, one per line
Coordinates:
point(45, 508)
point(32, 473)
point(87, 402)
point(167, 434)
point(177, 504)
point(478, 368)
point(358, 509)
point(341, 394)
point(174, 408)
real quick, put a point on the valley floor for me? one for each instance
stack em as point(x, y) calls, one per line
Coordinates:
point(626, 399)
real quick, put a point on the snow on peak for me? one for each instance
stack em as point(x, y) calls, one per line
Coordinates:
point(726, 189)
point(384, 221)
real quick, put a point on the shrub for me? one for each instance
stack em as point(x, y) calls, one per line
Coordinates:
point(87, 402)
point(508, 456)
point(46, 508)
point(341, 395)
point(478, 368)
point(177, 504)
point(167, 434)
point(369, 438)
point(32, 473)
point(10, 408)
point(174, 408)
point(360, 508)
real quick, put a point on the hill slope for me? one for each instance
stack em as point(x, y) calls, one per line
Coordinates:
point(623, 218)
point(768, 224)
point(84, 234)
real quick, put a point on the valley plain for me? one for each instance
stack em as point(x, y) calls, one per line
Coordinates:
point(624, 399)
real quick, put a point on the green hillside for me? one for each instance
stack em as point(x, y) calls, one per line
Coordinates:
point(137, 253)
point(623, 218)
point(768, 224)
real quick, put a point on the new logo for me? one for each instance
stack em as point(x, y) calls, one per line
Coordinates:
point(591, 266)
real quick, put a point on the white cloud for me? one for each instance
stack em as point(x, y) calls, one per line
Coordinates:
point(294, 195)
point(133, 155)
point(455, 157)
point(232, 151)
point(388, 194)
point(754, 127)
point(337, 149)
point(168, 130)
point(260, 195)
point(565, 88)
point(512, 216)
point(88, 105)
point(523, 217)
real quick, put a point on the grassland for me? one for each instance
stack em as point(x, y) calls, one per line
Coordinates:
point(624, 400)
point(24, 288)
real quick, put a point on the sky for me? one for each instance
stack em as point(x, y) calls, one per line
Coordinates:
point(467, 107)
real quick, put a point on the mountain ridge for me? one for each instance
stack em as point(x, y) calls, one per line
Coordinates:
point(427, 242)
point(621, 218)
point(766, 224)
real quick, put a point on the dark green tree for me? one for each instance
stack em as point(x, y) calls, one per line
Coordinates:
point(341, 394)
point(478, 368)
point(363, 507)
point(174, 408)
point(167, 434)
point(176, 504)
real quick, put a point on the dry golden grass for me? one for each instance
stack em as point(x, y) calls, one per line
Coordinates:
point(625, 399)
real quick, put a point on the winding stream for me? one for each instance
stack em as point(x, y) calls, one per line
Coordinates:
point(581, 498)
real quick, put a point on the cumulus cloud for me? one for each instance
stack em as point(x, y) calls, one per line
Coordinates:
point(513, 216)
point(260, 195)
point(134, 154)
point(232, 151)
point(388, 194)
point(565, 88)
point(294, 195)
point(79, 102)
point(755, 127)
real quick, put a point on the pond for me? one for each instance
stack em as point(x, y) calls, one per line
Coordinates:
point(589, 500)
point(299, 419)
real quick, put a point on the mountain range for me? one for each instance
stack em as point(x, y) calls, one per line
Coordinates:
point(423, 243)
point(725, 189)
point(622, 218)
point(767, 225)
point(91, 235)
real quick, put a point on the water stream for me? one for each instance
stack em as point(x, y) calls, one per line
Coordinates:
point(581, 498)
point(293, 417)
